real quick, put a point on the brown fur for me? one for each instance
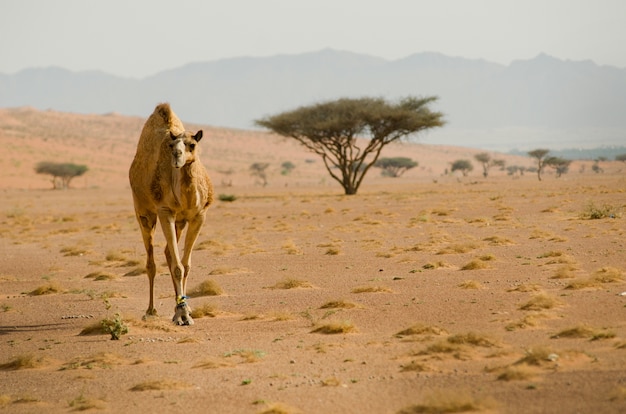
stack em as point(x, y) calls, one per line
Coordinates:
point(176, 196)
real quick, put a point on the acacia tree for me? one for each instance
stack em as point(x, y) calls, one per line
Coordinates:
point(465, 166)
point(62, 173)
point(540, 155)
point(560, 165)
point(396, 166)
point(487, 162)
point(331, 130)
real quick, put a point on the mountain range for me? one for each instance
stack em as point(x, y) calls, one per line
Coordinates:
point(540, 102)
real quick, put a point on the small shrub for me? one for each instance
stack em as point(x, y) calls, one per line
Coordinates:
point(160, 385)
point(339, 304)
point(517, 373)
point(292, 284)
point(228, 198)
point(22, 362)
point(335, 328)
point(475, 264)
point(115, 326)
point(540, 302)
point(48, 289)
point(371, 289)
point(421, 330)
point(593, 212)
point(205, 310)
point(206, 288)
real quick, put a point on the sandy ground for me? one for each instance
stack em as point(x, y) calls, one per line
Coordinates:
point(420, 294)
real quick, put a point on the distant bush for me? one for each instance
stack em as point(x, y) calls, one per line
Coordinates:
point(62, 173)
point(395, 167)
point(227, 197)
point(465, 166)
point(287, 167)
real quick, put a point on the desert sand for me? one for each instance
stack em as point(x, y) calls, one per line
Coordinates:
point(424, 293)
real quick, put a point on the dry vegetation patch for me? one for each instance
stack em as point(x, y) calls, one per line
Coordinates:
point(291, 283)
point(420, 329)
point(337, 327)
point(101, 276)
point(340, 304)
point(372, 289)
point(206, 288)
point(161, 385)
point(27, 361)
point(206, 309)
point(450, 401)
point(540, 302)
point(584, 332)
point(47, 289)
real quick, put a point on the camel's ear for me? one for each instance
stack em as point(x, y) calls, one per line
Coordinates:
point(172, 135)
point(198, 136)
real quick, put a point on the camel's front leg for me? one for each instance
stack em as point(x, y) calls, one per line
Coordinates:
point(193, 231)
point(168, 223)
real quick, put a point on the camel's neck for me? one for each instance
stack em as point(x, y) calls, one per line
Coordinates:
point(183, 189)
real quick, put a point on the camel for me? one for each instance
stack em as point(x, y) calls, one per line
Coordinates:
point(169, 182)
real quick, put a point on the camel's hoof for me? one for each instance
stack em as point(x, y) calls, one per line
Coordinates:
point(182, 315)
point(150, 314)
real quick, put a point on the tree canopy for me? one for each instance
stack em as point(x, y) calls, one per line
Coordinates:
point(465, 166)
point(396, 166)
point(331, 130)
point(539, 154)
point(62, 173)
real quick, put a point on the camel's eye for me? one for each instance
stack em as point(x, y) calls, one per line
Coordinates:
point(192, 147)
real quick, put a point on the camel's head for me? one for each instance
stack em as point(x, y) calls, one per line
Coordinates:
point(183, 148)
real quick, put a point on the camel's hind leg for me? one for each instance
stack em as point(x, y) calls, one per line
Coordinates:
point(147, 223)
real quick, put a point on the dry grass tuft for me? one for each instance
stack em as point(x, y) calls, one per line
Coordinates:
point(583, 284)
point(527, 321)
point(538, 357)
point(206, 288)
point(205, 310)
point(584, 332)
point(565, 272)
point(280, 408)
point(415, 366)
point(450, 401)
point(475, 264)
point(540, 302)
point(435, 265)
point(470, 284)
point(290, 248)
point(20, 362)
point(608, 275)
point(371, 289)
point(290, 283)
point(103, 360)
point(96, 328)
point(498, 241)
point(213, 363)
point(332, 328)
point(101, 276)
point(473, 339)
point(48, 289)
point(139, 270)
point(524, 288)
point(82, 403)
point(458, 248)
point(160, 385)
point(74, 251)
point(420, 329)
point(339, 304)
point(517, 373)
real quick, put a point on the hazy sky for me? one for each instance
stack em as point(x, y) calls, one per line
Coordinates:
point(138, 38)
